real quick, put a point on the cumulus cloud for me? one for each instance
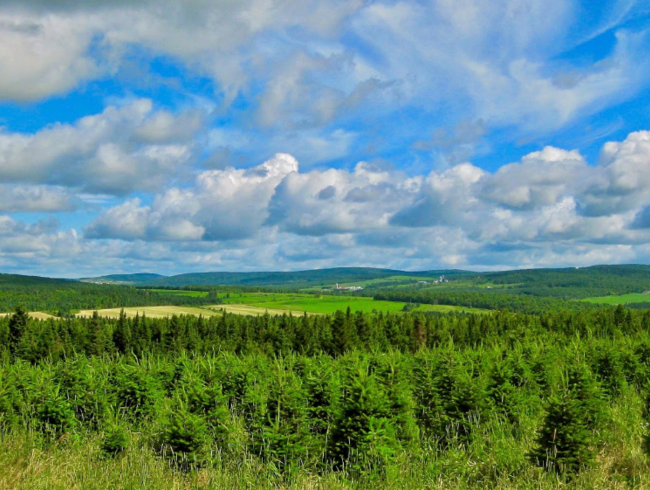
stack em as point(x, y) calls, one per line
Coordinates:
point(24, 198)
point(40, 56)
point(542, 178)
point(445, 198)
point(323, 80)
point(30, 246)
point(224, 204)
point(338, 201)
point(122, 149)
point(622, 181)
point(525, 210)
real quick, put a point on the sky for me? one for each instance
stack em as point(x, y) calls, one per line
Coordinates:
point(245, 135)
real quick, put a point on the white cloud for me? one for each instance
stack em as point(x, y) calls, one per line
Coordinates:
point(26, 198)
point(118, 151)
point(621, 182)
point(318, 78)
point(307, 63)
point(223, 205)
point(44, 55)
point(542, 178)
point(36, 244)
point(460, 215)
point(338, 201)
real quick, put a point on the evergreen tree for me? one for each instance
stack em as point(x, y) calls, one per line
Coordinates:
point(17, 326)
point(122, 334)
point(566, 441)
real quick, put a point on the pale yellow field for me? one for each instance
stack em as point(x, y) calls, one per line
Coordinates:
point(165, 311)
point(151, 311)
point(240, 309)
point(38, 315)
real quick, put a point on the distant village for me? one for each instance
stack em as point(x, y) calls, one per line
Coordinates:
point(440, 280)
point(348, 288)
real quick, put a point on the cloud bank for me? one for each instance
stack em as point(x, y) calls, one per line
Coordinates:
point(408, 134)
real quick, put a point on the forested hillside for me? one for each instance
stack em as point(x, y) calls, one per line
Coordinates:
point(62, 297)
point(568, 283)
point(490, 300)
point(294, 280)
point(574, 283)
point(340, 401)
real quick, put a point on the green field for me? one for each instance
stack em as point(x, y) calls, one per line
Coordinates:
point(326, 304)
point(621, 299)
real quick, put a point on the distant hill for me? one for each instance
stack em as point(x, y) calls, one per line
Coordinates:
point(63, 296)
point(566, 283)
point(573, 282)
point(20, 280)
point(298, 279)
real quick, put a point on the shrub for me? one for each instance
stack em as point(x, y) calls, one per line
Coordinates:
point(56, 415)
point(364, 435)
point(565, 443)
point(184, 438)
point(115, 440)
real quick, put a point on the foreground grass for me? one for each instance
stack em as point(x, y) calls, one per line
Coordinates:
point(496, 459)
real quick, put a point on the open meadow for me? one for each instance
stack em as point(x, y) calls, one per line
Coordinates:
point(37, 315)
point(621, 299)
point(257, 304)
point(279, 303)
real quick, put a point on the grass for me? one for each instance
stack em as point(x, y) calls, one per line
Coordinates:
point(37, 315)
point(327, 304)
point(151, 311)
point(244, 309)
point(621, 299)
point(495, 459)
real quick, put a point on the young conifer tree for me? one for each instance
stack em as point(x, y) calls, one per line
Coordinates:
point(566, 440)
point(17, 327)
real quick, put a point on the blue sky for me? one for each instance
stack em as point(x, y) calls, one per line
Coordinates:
point(281, 135)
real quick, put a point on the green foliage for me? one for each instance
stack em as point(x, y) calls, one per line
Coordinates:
point(184, 438)
point(63, 296)
point(364, 436)
point(17, 327)
point(566, 440)
point(116, 440)
point(368, 396)
point(136, 390)
point(55, 415)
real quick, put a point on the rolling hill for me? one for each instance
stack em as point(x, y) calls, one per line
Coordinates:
point(298, 279)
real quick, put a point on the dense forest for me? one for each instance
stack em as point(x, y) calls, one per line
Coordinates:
point(63, 297)
point(574, 283)
point(340, 401)
point(567, 283)
point(295, 279)
point(489, 300)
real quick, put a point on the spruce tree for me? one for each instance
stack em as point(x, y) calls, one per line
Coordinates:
point(122, 334)
point(364, 434)
point(17, 327)
point(566, 440)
